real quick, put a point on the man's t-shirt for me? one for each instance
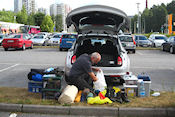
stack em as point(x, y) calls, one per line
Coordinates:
point(81, 66)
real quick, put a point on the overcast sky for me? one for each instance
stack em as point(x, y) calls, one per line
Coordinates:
point(128, 6)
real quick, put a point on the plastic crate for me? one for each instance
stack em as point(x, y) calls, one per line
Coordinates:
point(50, 93)
point(35, 87)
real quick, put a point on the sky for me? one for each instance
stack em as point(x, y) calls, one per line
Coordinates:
point(128, 6)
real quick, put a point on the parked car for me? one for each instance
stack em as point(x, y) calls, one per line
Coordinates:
point(2, 36)
point(142, 41)
point(16, 41)
point(157, 39)
point(40, 40)
point(128, 42)
point(55, 40)
point(94, 23)
point(67, 40)
point(169, 45)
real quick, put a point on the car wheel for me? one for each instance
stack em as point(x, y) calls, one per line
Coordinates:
point(172, 50)
point(61, 49)
point(134, 51)
point(162, 48)
point(31, 47)
point(154, 45)
point(44, 44)
point(23, 47)
point(6, 49)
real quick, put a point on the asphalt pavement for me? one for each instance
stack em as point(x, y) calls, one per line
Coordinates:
point(15, 65)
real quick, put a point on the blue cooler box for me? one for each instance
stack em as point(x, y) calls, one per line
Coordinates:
point(35, 87)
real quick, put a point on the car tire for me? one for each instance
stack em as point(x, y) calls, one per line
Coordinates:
point(44, 44)
point(23, 47)
point(154, 45)
point(162, 48)
point(61, 49)
point(172, 51)
point(31, 47)
point(134, 51)
point(6, 49)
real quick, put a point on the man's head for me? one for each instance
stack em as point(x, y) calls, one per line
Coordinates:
point(95, 57)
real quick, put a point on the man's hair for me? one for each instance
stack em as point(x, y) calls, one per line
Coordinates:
point(95, 55)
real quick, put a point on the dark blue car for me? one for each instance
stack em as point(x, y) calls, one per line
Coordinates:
point(67, 40)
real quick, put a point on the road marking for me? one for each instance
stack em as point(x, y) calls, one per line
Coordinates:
point(170, 68)
point(9, 67)
point(139, 53)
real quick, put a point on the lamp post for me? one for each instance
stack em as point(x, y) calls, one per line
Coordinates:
point(138, 19)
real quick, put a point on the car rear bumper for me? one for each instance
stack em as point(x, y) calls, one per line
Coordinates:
point(12, 45)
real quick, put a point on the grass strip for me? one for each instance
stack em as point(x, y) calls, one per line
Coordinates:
point(22, 96)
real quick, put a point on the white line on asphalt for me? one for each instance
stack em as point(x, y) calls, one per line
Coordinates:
point(139, 53)
point(9, 67)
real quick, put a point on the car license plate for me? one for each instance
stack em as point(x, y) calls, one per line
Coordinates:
point(55, 41)
point(68, 41)
point(10, 41)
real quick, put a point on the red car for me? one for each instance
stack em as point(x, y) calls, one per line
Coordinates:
point(17, 41)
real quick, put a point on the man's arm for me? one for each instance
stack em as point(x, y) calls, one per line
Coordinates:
point(92, 75)
point(95, 69)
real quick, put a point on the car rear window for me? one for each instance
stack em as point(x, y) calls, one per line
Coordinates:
point(141, 38)
point(1, 36)
point(16, 36)
point(125, 39)
point(69, 36)
point(57, 36)
point(160, 37)
point(38, 37)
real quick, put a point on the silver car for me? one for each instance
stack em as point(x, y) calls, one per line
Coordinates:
point(97, 28)
point(128, 42)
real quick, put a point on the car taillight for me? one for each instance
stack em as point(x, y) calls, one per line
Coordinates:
point(134, 41)
point(115, 76)
point(119, 60)
point(73, 59)
point(60, 39)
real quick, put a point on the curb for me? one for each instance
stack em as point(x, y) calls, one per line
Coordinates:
point(89, 111)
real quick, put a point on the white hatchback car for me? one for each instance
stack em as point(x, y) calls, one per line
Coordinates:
point(55, 39)
point(97, 28)
point(157, 39)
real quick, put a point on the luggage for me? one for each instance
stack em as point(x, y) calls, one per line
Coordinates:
point(68, 95)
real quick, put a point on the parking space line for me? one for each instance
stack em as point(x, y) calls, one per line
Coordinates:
point(31, 64)
point(170, 68)
point(9, 67)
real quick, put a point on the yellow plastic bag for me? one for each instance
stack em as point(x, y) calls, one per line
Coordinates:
point(97, 100)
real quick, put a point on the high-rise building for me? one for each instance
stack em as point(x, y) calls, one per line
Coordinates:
point(17, 5)
point(60, 9)
point(42, 10)
point(29, 5)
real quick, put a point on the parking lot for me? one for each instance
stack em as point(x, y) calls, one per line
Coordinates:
point(15, 65)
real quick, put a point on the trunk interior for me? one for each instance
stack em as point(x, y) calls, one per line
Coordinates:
point(106, 47)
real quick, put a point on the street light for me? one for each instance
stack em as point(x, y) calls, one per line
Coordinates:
point(138, 19)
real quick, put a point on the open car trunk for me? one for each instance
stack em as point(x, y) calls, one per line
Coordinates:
point(97, 19)
point(106, 47)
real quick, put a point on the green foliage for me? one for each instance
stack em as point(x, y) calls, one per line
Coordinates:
point(170, 8)
point(39, 18)
point(7, 16)
point(47, 24)
point(31, 20)
point(59, 23)
point(22, 16)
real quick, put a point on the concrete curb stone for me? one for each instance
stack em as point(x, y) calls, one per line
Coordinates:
point(11, 107)
point(143, 112)
point(89, 111)
point(94, 111)
point(46, 109)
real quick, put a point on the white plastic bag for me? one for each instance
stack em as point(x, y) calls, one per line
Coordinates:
point(100, 84)
point(68, 95)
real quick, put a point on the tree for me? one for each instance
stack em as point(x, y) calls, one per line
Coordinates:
point(7, 16)
point(170, 8)
point(47, 24)
point(133, 24)
point(59, 23)
point(22, 16)
point(31, 20)
point(39, 18)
